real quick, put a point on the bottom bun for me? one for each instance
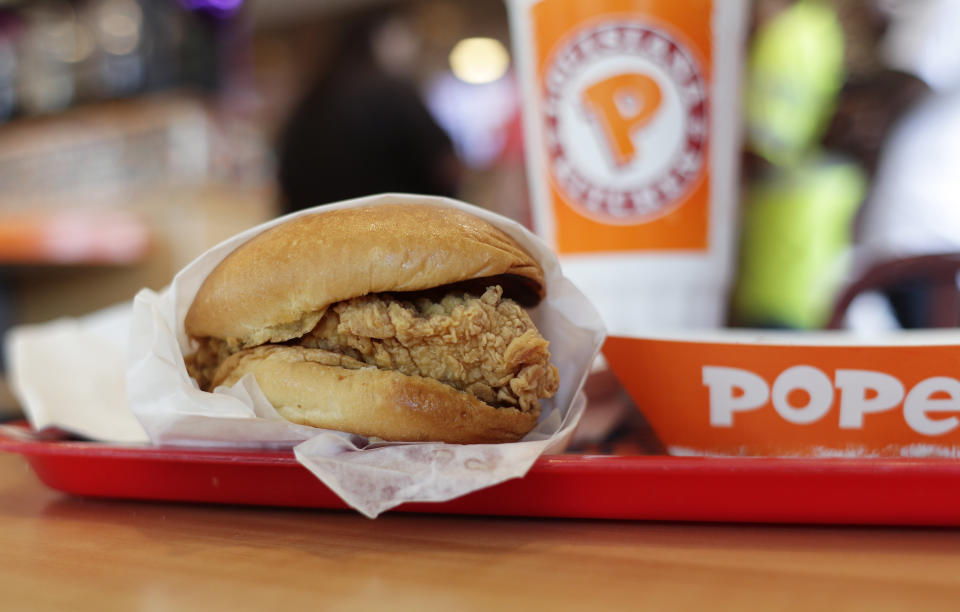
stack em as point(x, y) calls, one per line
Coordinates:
point(312, 387)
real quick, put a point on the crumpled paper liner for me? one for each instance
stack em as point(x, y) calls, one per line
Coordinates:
point(370, 476)
point(68, 374)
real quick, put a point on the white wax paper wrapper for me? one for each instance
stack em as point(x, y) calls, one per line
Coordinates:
point(68, 374)
point(370, 476)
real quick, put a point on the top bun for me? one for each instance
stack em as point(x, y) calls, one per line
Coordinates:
point(277, 285)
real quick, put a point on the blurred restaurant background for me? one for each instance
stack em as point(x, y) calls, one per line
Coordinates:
point(135, 134)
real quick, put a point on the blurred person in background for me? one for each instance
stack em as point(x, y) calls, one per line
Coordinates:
point(362, 128)
point(913, 208)
point(868, 109)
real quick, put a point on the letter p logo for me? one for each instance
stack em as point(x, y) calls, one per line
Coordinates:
point(621, 105)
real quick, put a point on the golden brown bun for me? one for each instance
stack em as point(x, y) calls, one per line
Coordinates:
point(277, 286)
point(312, 387)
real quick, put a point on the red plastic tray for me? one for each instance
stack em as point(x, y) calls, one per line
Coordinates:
point(838, 491)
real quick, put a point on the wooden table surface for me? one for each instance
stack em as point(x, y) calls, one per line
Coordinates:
point(66, 553)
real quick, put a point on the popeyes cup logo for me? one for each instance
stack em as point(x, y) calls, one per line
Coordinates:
point(621, 99)
point(632, 121)
point(625, 109)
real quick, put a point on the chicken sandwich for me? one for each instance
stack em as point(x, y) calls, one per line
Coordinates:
point(401, 322)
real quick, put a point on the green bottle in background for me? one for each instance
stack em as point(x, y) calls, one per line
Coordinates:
point(795, 239)
point(795, 71)
point(798, 213)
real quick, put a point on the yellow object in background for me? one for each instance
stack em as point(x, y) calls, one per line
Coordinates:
point(795, 70)
point(796, 232)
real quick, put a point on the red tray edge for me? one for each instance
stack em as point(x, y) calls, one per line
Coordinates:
point(770, 490)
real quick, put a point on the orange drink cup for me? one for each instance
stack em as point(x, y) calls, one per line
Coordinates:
point(632, 119)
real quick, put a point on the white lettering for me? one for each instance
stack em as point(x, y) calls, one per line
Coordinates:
point(589, 46)
point(688, 163)
point(657, 48)
point(854, 403)
point(733, 390)
point(680, 69)
point(616, 202)
point(809, 379)
point(722, 382)
point(632, 38)
point(691, 92)
point(697, 127)
point(610, 38)
point(919, 403)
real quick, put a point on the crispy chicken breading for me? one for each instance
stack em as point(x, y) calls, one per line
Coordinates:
point(486, 346)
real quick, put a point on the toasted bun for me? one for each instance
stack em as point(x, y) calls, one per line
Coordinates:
point(311, 387)
point(278, 285)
